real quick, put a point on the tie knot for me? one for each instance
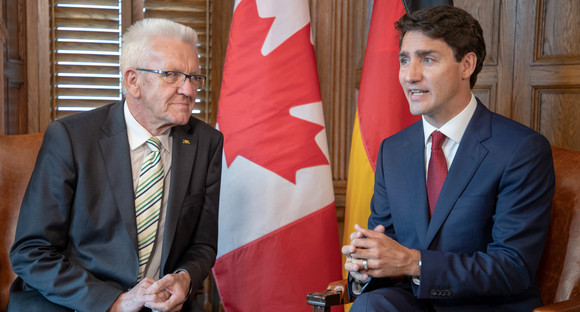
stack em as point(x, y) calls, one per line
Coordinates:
point(437, 139)
point(154, 144)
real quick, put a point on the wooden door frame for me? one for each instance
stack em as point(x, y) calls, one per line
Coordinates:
point(38, 68)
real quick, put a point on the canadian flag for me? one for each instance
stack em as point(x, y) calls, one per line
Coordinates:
point(278, 237)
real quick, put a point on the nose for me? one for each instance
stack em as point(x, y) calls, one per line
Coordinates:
point(413, 72)
point(187, 89)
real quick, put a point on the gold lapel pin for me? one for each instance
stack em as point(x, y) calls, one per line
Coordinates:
point(184, 141)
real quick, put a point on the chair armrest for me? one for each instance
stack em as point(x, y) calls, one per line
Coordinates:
point(335, 294)
point(569, 305)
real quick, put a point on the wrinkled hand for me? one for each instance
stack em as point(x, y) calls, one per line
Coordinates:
point(135, 299)
point(177, 288)
point(384, 256)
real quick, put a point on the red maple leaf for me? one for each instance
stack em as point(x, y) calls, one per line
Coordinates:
point(258, 92)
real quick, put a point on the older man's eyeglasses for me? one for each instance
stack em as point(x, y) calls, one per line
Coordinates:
point(173, 77)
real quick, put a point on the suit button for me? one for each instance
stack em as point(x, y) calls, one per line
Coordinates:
point(433, 292)
point(447, 292)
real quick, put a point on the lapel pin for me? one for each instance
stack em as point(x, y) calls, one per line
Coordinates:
point(184, 141)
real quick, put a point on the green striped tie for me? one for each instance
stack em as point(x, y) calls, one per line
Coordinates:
point(148, 202)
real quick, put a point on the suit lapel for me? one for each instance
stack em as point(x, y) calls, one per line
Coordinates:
point(116, 156)
point(413, 154)
point(183, 153)
point(469, 156)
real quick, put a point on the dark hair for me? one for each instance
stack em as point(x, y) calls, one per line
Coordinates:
point(456, 27)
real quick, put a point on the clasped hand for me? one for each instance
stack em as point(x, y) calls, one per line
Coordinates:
point(167, 294)
point(384, 256)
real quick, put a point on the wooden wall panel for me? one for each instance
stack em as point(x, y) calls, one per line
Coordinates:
point(38, 68)
point(557, 26)
point(334, 25)
point(3, 38)
point(487, 13)
point(497, 19)
point(557, 114)
point(14, 80)
point(547, 69)
point(25, 83)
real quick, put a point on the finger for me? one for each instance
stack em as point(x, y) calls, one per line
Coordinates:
point(371, 273)
point(157, 297)
point(351, 267)
point(140, 289)
point(348, 249)
point(362, 254)
point(361, 264)
point(379, 228)
point(157, 306)
point(362, 243)
point(159, 301)
point(168, 305)
point(145, 282)
point(354, 235)
point(361, 232)
point(159, 286)
point(357, 265)
point(163, 296)
point(373, 234)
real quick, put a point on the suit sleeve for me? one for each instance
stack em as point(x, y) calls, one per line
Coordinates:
point(519, 226)
point(380, 210)
point(38, 255)
point(201, 253)
point(380, 214)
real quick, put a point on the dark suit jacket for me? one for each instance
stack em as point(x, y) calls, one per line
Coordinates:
point(76, 240)
point(481, 249)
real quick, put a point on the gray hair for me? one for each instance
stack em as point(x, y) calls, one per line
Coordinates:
point(138, 40)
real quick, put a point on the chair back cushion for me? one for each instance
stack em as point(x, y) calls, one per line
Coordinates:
point(17, 157)
point(559, 271)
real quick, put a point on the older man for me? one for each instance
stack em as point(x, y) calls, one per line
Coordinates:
point(121, 210)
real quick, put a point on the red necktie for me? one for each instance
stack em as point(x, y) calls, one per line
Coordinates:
point(437, 170)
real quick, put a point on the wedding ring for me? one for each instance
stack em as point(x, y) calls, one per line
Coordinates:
point(365, 265)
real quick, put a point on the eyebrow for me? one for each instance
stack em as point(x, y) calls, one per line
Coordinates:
point(197, 72)
point(419, 53)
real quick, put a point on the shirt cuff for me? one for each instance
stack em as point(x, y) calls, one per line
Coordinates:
point(358, 287)
point(417, 279)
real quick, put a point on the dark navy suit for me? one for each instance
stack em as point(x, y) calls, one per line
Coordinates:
point(76, 240)
point(481, 248)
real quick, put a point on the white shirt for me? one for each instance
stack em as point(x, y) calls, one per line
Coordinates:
point(138, 137)
point(453, 130)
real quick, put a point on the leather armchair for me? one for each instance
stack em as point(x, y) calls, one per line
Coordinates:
point(17, 157)
point(559, 271)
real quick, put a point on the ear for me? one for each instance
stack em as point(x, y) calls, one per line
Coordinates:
point(468, 64)
point(131, 81)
